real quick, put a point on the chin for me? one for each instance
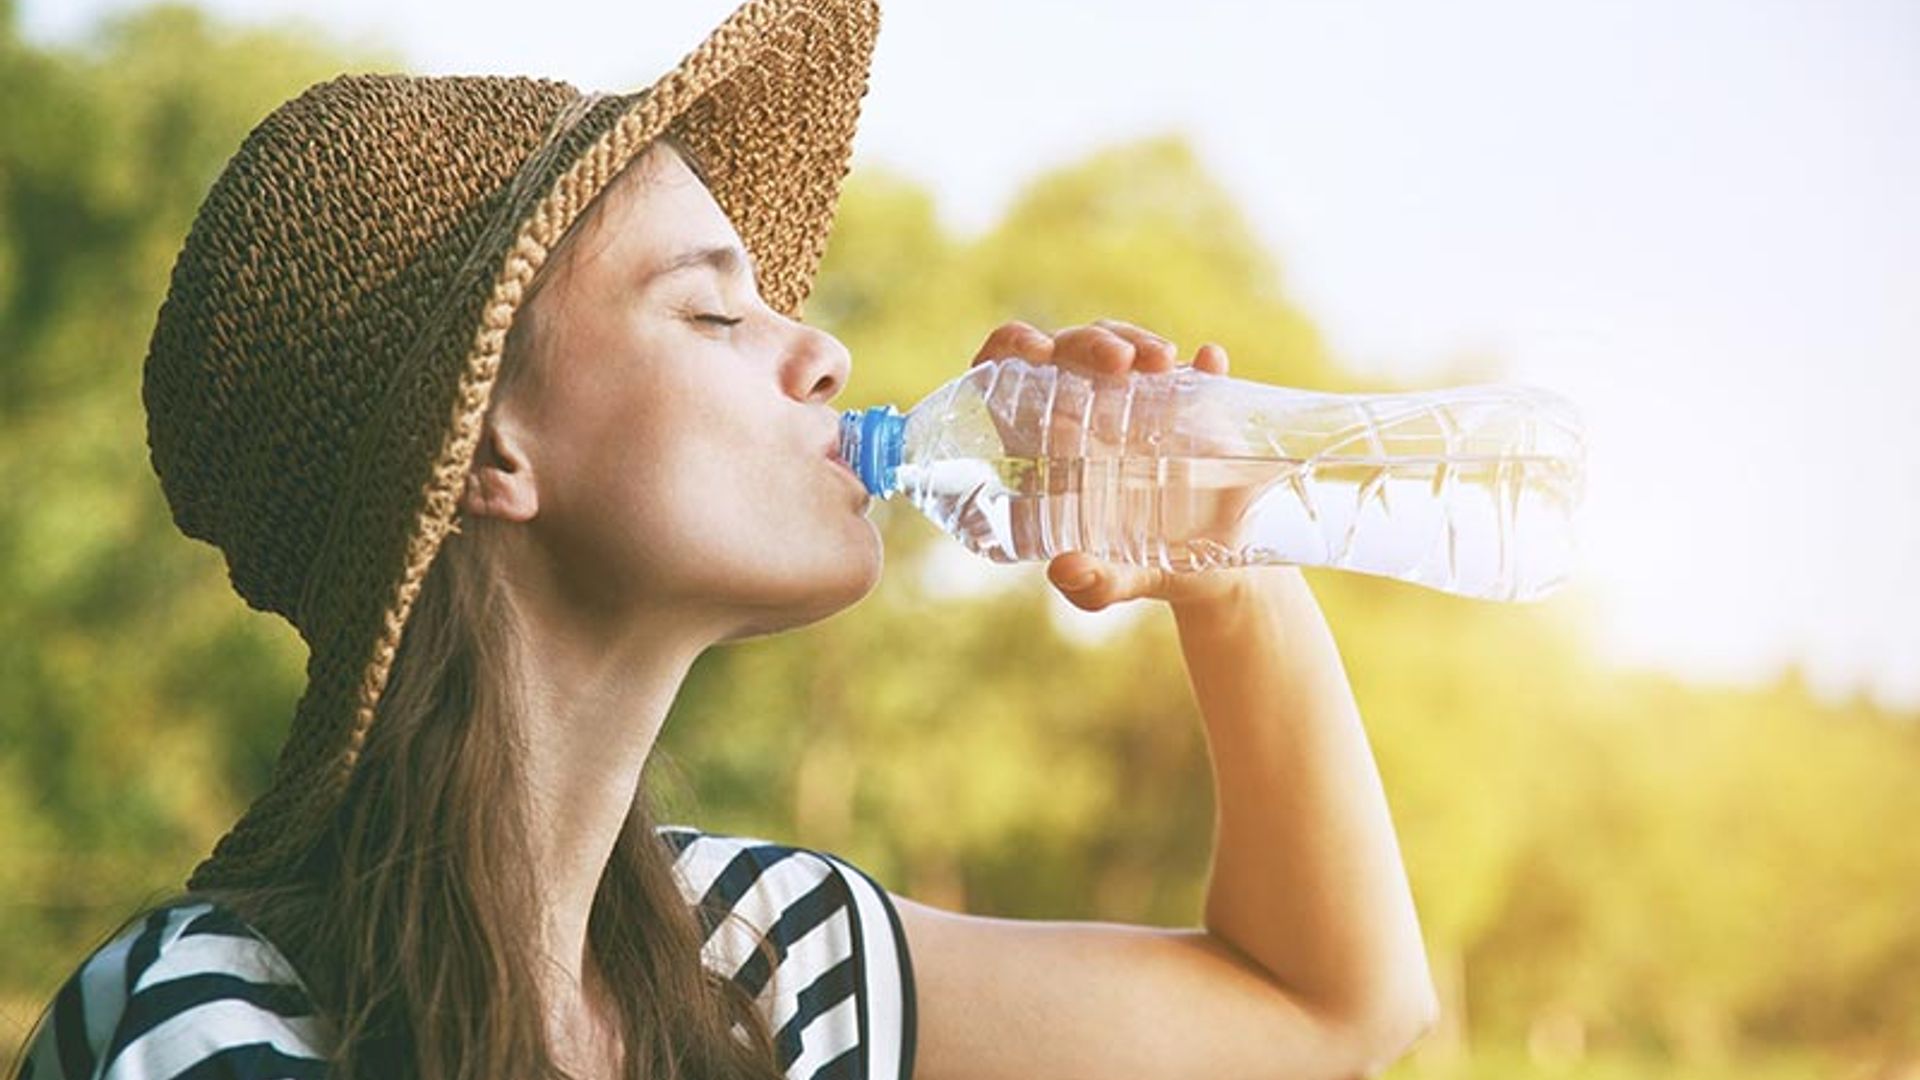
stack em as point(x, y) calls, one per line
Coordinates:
point(828, 597)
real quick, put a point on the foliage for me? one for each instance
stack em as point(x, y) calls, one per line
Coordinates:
point(1609, 865)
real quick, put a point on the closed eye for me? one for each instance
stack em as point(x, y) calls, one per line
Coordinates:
point(719, 319)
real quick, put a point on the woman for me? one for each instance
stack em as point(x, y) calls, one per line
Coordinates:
point(500, 394)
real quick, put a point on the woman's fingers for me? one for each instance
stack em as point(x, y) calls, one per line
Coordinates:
point(1092, 350)
point(1151, 351)
point(1092, 583)
point(1110, 347)
point(1015, 338)
point(1102, 347)
point(1211, 358)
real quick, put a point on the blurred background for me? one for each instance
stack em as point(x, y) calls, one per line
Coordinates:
point(1658, 825)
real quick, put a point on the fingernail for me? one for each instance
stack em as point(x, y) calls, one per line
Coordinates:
point(1083, 581)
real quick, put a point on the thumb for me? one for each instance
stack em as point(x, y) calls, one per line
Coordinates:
point(1092, 583)
point(1077, 575)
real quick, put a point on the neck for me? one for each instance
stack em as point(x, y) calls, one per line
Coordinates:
point(595, 707)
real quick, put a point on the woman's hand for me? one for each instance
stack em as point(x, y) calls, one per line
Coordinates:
point(1110, 347)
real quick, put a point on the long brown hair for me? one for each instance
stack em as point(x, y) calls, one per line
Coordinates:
point(414, 921)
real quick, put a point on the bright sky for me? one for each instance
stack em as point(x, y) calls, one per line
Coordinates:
point(1699, 220)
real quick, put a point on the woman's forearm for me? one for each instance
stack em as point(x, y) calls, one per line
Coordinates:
point(1307, 878)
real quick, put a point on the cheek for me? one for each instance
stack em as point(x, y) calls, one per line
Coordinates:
point(723, 487)
point(676, 479)
point(680, 486)
point(739, 514)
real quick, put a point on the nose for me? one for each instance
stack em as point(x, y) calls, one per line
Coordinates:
point(817, 365)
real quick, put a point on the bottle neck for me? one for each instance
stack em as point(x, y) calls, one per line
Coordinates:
point(872, 443)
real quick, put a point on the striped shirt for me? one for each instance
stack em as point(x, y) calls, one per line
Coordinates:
point(193, 992)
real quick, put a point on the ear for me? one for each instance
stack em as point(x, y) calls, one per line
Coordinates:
point(500, 484)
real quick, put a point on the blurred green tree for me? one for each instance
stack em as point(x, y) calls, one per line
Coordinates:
point(1605, 861)
point(138, 700)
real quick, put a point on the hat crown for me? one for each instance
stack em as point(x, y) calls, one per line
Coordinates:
point(317, 264)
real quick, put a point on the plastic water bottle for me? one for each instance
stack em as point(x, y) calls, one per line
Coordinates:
point(1471, 490)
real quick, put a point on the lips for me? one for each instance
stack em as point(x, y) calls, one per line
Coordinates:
point(832, 453)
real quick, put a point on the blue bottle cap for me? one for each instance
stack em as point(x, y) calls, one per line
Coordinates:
point(872, 443)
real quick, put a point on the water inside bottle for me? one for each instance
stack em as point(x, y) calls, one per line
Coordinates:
point(1498, 527)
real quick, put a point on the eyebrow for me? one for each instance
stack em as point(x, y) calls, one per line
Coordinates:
point(726, 258)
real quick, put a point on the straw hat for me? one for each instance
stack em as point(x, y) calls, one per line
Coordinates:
point(320, 368)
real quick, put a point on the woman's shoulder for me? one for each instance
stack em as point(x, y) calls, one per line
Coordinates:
point(188, 989)
point(838, 990)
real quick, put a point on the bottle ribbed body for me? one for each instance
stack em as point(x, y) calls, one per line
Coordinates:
point(1471, 490)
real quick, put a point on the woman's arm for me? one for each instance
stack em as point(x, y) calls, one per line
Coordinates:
point(1310, 964)
point(1307, 879)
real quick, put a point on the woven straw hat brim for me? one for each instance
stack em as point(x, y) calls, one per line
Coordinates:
point(768, 104)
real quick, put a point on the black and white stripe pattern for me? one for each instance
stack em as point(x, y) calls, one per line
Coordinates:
point(839, 999)
point(188, 993)
point(192, 992)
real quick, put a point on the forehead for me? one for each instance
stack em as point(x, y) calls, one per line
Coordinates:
point(657, 209)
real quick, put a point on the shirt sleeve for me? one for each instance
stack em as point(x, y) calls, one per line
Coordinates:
point(838, 992)
point(189, 992)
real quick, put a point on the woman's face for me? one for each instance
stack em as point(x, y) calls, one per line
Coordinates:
point(676, 430)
